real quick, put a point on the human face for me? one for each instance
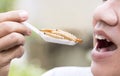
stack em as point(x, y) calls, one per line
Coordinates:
point(106, 51)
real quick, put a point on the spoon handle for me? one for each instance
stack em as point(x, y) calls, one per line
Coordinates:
point(32, 28)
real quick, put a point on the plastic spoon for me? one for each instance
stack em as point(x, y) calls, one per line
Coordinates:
point(49, 38)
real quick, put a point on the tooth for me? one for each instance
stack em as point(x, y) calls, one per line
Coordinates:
point(108, 40)
point(100, 37)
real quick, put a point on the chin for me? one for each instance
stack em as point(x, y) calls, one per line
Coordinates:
point(104, 70)
point(5, 70)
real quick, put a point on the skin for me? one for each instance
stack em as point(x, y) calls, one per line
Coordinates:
point(12, 38)
point(107, 19)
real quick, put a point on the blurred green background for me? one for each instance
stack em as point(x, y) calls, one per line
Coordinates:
point(74, 16)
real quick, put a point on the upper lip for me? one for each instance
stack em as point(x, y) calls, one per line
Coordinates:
point(103, 34)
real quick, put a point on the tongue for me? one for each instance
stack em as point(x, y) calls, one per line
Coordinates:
point(112, 47)
point(107, 49)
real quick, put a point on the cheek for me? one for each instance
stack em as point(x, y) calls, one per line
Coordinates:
point(115, 34)
point(117, 11)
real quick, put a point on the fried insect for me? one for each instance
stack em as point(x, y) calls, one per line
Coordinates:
point(60, 34)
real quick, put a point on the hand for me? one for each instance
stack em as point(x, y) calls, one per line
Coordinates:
point(12, 39)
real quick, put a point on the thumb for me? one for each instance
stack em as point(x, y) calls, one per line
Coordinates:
point(18, 16)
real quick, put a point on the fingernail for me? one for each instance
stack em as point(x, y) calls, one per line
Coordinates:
point(23, 14)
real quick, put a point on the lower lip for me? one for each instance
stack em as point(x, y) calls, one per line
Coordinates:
point(96, 55)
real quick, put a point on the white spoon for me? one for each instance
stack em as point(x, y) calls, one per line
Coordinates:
point(49, 38)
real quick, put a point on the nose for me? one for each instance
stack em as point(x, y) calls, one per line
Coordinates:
point(105, 13)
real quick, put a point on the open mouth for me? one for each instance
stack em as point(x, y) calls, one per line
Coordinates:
point(105, 45)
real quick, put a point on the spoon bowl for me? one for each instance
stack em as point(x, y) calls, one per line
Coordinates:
point(55, 35)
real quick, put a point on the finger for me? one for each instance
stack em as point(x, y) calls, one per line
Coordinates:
point(7, 56)
point(18, 16)
point(11, 40)
point(9, 27)
point(15, 52)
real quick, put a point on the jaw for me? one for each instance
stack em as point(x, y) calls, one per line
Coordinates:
point(103, 69)
point(108, 65)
